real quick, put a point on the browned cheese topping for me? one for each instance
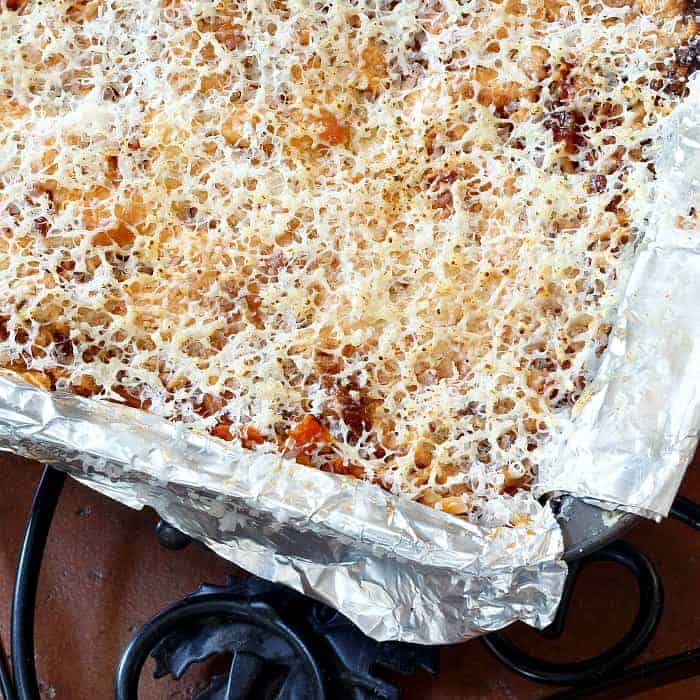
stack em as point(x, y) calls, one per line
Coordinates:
point(382, 238)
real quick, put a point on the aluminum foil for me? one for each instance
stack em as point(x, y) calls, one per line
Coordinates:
point(397, 569)
point(635, 429)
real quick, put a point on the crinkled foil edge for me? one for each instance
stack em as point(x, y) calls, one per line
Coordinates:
point(397, 569)
point(635, 429)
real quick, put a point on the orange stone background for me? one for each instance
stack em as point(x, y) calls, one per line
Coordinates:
point(105, 574)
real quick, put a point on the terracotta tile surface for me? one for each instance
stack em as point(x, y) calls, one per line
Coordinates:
point(105, 574)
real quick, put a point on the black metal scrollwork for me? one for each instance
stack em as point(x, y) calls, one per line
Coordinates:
point(284, 645)
point(607, 674)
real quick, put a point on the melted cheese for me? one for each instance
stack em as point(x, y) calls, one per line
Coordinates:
point(408, 220)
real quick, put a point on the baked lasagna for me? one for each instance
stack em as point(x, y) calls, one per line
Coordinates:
point(381, 238)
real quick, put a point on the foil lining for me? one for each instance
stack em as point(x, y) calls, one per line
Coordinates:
point(635, 429)
point(397, 569)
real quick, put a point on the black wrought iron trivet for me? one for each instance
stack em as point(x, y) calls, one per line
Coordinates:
point(608, 673)
point(284, 646)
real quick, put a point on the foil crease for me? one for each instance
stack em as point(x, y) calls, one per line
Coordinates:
point(635, 429)
point(397, 569)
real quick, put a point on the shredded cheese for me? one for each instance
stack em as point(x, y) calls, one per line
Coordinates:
point(385, 238)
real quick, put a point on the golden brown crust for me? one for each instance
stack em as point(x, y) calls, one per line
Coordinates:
point(384, 241)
